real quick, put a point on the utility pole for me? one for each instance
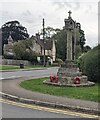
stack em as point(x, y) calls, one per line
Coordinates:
point(44, 60)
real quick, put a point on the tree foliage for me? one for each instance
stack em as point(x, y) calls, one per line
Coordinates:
point(23, 50)
point(15, 29)
point(82, 40)
point(60, 38)
point(87, 48)
point(49, 31)
point(19, 50)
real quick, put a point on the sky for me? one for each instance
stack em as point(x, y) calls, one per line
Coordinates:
point(31, 12)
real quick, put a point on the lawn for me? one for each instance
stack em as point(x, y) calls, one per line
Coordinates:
point(85, 93)
point(10, 67)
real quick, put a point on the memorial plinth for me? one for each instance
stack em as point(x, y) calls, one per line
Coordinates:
point(69, 75)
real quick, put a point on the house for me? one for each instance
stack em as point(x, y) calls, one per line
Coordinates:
point(49, 46)
point(38, 46)
point(8, 48)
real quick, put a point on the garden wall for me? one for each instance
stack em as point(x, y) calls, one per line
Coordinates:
point(14, 62)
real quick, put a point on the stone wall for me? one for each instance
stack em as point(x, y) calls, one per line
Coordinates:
point(14, 62)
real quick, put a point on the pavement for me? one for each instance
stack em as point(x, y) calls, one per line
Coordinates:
point(11, 90)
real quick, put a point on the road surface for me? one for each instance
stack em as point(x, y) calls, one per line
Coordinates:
point(16, 110)
point(31, 73)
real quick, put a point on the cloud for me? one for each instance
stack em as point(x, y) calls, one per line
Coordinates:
point(73, 6)
point(92, 40)
point(5, 16)
point(27, 16)
point(27, 13)
point(31, 12)
point(66, 5)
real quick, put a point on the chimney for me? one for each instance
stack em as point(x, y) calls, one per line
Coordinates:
point(37, 36)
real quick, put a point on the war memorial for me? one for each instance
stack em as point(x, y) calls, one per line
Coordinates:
point(68, 74)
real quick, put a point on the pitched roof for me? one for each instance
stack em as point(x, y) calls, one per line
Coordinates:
point(47, 45)
point(48, 42)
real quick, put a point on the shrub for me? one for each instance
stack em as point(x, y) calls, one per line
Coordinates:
point(89, 64)
point(59, 61)
point(19, 50)
point(55, 64)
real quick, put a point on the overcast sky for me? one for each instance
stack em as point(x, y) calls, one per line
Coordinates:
point(31, 12)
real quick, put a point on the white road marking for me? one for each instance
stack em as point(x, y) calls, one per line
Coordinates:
point(11, 77)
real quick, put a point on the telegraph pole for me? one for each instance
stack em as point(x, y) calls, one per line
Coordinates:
point(44, 62)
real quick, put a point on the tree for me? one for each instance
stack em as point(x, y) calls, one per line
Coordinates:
point(87, 48)
point(49, 32)
point(82, 40)
point(23, 50)
point(19, 50)
point(15, 29)
point(60, 37)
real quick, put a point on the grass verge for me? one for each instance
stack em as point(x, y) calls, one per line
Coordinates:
point(85, 93)
point(11, 67)
point(8, 67)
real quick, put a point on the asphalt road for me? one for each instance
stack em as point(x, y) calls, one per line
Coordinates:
point(12, 111)
point(31, 73)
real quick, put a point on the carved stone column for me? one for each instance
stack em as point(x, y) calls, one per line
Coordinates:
point(69, 45)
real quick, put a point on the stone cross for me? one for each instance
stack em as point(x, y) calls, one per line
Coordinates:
point(69, 14)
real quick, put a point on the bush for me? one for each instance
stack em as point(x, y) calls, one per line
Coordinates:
point(55, 64)
point(19, 50)
point(89, 64)
point(59, 61)
point(30, 56)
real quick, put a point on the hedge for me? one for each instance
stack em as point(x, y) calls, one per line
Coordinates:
point(89, 64)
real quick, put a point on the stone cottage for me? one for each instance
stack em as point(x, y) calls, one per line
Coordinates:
point(49, 45)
